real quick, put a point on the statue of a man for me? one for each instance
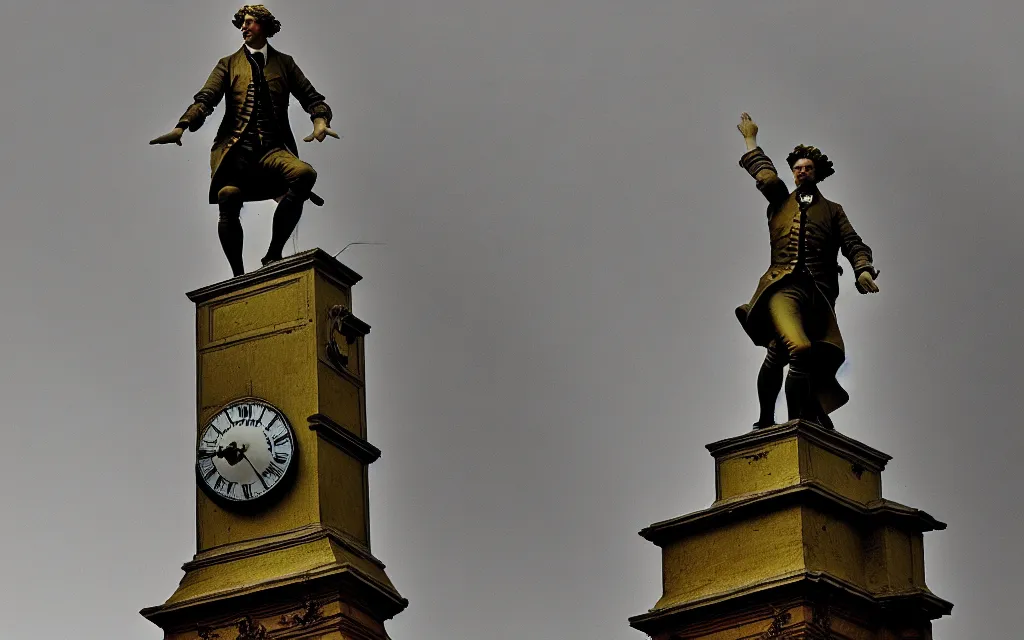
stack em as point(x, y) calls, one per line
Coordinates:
point(792, 310)
point(254, 155)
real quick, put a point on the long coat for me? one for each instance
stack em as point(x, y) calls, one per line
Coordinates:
point(828, 231)
point(232, 80)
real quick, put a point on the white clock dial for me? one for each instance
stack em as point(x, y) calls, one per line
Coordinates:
point(245, 450)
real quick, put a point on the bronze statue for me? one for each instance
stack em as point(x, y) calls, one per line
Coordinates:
point(254, 155)
point(792, 310)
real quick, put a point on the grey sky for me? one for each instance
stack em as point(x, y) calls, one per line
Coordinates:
point(553, 342)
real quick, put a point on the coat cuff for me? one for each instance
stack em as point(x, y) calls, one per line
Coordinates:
point(755, 161)
point(194, 117)
point(321, 111)
point(865, 267)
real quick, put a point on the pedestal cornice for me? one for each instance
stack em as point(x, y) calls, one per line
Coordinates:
point(808, 493)
point(750, 601)
point(830, 439)
point(316, 259)
point(374, 595)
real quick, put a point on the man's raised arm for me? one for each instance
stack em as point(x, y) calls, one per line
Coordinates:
point(759, 165)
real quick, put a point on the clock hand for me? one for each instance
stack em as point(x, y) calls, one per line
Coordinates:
point(262, 481)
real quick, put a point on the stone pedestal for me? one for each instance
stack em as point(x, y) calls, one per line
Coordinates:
point(799, 543)
point(298, 566)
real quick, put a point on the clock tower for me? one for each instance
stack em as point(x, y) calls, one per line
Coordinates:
point(281, 459)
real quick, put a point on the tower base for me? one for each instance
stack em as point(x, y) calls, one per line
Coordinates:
point(799, 543)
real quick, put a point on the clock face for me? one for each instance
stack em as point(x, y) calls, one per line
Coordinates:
point(245, 451)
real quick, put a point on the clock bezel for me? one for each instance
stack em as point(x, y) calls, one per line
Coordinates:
point(271, 495)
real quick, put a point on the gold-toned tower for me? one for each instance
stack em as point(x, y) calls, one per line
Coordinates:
point(799, 543)
point(282, 514)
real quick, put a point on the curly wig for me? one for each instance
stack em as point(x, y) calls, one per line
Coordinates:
point(270, 24)
point(822, 165)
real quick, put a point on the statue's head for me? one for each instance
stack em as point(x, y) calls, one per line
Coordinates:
point(257, 24)
point(809, 164)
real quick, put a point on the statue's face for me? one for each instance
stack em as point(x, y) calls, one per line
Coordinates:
point(252, 32)
point(803, 171)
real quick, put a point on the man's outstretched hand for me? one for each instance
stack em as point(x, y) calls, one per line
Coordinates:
point(174, 136)
point(320, 131)
point(866, 282)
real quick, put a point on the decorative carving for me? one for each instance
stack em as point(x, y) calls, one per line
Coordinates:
point(343, 323)
point(251, 630)
point(206, 633)
point(312, 611)
point(780, 618)
point(337, 354)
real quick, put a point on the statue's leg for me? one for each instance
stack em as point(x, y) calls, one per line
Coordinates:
point(824, 420)
point(229, 226)
point(300, 178)
point(800, 385)
point(769, 383)
point(785, 310)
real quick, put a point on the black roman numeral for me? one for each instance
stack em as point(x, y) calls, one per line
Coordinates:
point(281, 439)
point(280, 458)
point(247, 491)
point(219, 483)
point(273, 470)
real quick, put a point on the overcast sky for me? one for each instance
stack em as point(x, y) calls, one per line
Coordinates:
point(553, 342)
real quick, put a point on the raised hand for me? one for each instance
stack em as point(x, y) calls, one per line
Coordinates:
point(747, 127)
point(320, 131)
point(174, 136)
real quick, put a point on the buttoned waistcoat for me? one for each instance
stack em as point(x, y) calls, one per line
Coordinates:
point(232, 81)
